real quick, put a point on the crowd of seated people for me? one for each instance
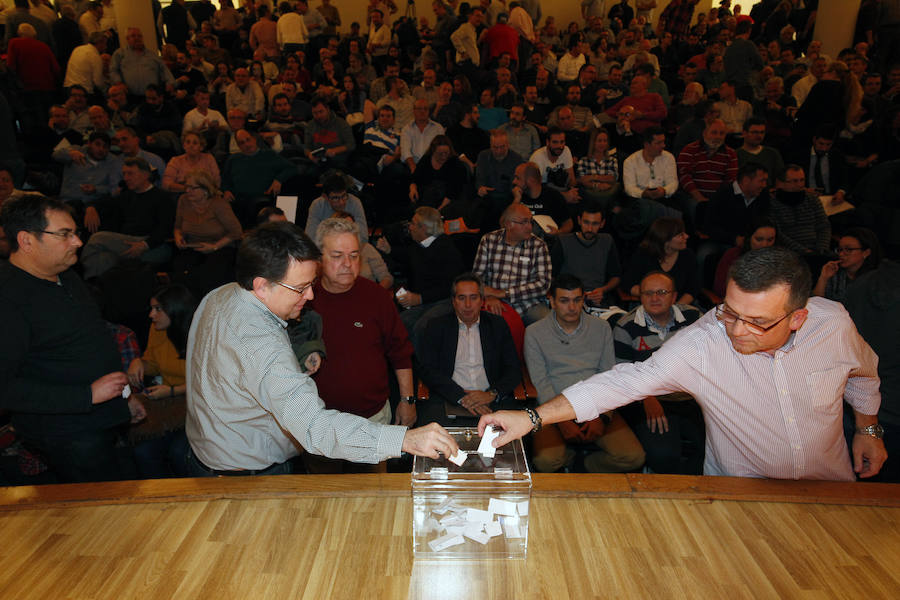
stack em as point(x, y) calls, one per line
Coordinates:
point(662, 144)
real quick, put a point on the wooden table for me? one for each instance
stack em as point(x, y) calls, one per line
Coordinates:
point(591, 536)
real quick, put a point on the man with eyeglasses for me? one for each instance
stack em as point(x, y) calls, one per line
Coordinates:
point(770, 369)
point(662, 423)
point(61, 376)
point(250, 404)
point(336, 198)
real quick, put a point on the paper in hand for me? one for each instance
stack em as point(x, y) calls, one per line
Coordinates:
point(486, 448)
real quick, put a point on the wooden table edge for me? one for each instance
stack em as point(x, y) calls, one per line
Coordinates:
point(631, 485)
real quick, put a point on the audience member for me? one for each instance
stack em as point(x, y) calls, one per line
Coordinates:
point(514, 265)
point(669, 427)
point(564, 347)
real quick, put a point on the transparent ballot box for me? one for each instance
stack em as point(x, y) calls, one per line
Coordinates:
point(477, 510)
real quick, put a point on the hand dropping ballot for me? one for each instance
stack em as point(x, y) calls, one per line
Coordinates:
point(485, 448)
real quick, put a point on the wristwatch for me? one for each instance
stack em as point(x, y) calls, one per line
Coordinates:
point(876, 431)
point(408, 399)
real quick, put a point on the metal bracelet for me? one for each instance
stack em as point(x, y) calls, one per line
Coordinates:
point(536, 420)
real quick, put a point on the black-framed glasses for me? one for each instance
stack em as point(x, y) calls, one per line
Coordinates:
point(651, 293)
point(729, 318)
point(300, 290)
point(847, 250)
point(63, 234)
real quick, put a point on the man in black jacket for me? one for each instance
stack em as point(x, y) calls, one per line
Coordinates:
point(141, 221)
point(468, 359)
point(60, 372)
point(431, 262)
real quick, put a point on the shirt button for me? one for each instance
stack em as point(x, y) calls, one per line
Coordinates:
point(784, 392)
point(796, 447)
point(790, 419)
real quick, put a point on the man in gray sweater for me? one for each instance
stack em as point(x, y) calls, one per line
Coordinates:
point(567, 346)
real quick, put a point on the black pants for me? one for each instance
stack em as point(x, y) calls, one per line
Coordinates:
point(85, 457)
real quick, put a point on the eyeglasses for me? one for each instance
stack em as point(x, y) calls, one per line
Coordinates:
point(847, 250)
point(300, 290)
point(520, 221)
point(651, 293)
point(63, 234)
point(729, 318)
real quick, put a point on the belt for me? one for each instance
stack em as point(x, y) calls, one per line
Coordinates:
point(238, 473)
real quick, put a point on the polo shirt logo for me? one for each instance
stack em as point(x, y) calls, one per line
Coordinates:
point(357, 324)
point(643, 345)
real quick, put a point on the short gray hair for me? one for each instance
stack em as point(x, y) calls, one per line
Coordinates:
point(335, 226)
point(432, 221)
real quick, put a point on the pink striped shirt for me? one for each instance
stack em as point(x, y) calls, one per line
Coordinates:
point(766, 416)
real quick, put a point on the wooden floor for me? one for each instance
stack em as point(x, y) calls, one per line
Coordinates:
point(316, 537)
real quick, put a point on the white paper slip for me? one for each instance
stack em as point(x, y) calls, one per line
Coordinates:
point(401, 292)
point(459, 458)
point(473, 515)
point(502, 507)
point(511, 530)
point(480, 537)
point(455, 529)
point(450, 520)
point(493, 529)
point(126, 391)
point(546, 223)
point(289, 205)
point(447, 541)
point(485, 448)
point(522, 508)
point(431, 525)
point(443, 507)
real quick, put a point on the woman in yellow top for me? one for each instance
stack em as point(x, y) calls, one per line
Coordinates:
point(171, 311)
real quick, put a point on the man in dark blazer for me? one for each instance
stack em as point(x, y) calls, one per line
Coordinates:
point(467, 359)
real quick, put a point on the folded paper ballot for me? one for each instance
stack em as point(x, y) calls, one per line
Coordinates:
point(546, 223)
point(486, 448)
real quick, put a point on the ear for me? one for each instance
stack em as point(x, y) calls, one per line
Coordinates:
point(25, 239)
point(799, 318)
point(261, 287)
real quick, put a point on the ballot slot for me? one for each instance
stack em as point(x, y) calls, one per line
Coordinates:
point(473, 510)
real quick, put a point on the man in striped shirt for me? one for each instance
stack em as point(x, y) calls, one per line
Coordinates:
point(770, 368)
point(250, 404)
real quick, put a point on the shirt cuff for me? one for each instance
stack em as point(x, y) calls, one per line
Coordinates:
point(580, 397)
point(390, 442)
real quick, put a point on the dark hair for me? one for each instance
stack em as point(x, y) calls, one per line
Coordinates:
point(554, 130)
point(591, 207)
point(753, 122)
point(154, 88)
point(441, 140)
point(388, 108)
point(28, 213)
point(646, 69)
point(267, 251)
point(179, 305)
point(825, 131)
point(564, 281)
point(743, 27)
point(137, 161)
point(750, 169)
point(651, 132)
point(334, 182)
point(761, 270)
point(280, 96)
point(263, 215)
point(753, 226)
point(467, 276)
point(661, 231)
point(868, 241)
point(77, 86)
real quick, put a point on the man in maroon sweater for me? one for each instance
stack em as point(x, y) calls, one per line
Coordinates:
point(37, 69)
point(363, 336)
